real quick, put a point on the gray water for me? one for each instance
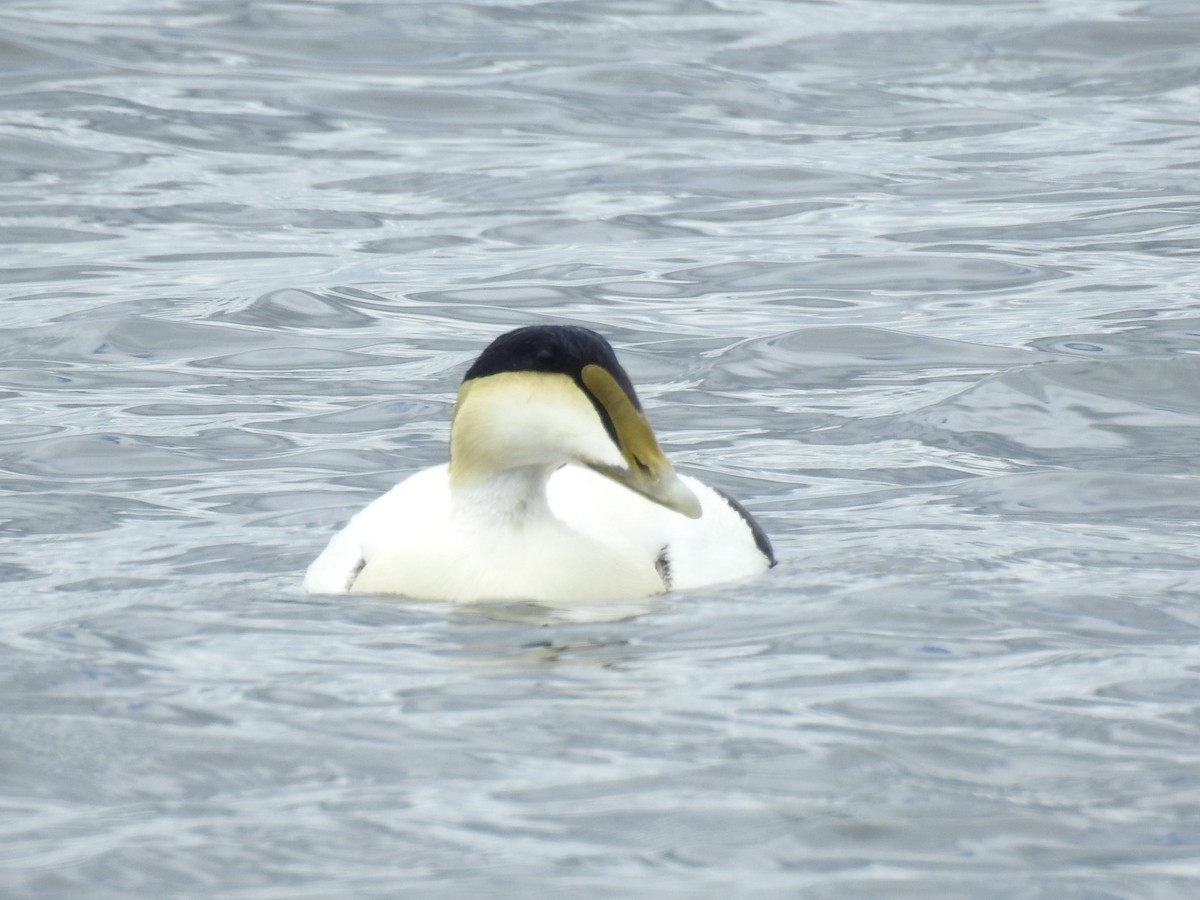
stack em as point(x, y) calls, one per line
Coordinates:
point(917, 281)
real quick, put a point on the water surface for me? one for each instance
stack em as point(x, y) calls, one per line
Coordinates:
point(914, 280)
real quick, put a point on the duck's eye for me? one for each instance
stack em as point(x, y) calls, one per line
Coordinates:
point(544, 357)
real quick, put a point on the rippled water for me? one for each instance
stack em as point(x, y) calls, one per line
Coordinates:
point(915, 280)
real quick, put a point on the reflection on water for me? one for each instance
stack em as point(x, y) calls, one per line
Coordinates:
point(914, 280)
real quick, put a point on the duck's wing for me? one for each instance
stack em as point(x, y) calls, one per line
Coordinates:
point(405, 510)
point(724, 544)
point(334, 571)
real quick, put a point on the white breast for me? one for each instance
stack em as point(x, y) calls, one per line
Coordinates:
point(603, 542)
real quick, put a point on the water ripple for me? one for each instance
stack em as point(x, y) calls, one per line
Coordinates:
point(915, 281)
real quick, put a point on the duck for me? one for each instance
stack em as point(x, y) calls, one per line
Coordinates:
point(556, 491)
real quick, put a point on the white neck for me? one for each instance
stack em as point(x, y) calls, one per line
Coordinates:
point(506, 498)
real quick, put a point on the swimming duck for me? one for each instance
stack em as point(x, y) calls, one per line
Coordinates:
point(556, 491)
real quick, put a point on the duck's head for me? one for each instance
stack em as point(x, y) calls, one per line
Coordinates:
point(545, 395)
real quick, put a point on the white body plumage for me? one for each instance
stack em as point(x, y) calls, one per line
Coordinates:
point(593, 540)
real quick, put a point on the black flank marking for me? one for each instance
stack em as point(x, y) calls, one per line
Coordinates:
point(663, 566)
point(362, 564)
point(761, 541)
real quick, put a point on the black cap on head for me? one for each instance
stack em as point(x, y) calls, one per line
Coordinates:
point(554, 349)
